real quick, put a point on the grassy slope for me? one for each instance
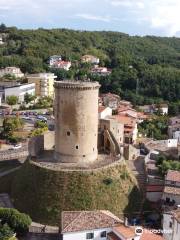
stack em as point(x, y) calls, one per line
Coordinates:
point(44, 194)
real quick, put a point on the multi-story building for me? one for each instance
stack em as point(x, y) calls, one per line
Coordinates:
point(101, 225)
point(174, 128)
point(14, 71)
point(130, 127)
point(171, 224)
point(171, 193)
point(44, 83)
point(20, 91)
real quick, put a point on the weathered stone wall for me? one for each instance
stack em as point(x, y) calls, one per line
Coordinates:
point(76, 121)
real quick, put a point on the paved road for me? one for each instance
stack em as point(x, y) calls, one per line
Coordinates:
point(41, 236)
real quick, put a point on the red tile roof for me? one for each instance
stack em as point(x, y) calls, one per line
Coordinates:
point(173, 176)
point(87, 220)
point(126, 232)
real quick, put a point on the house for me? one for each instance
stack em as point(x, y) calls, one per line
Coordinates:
point(130, 127)
point(110, 100)
point(20, 91)
point(171, 224)
point(84, 225)
point(44, 83)
point(104, 112)
point(174, 128)
point(14, 71)
point(62, 65)
point(150, 109)
point(154, 192)
point(171, 193)
point(111, 136)
point(90, 59)
point(100, 71)
point(125, 103)
point(163, 108)
point(101, 225)
point(53, 59)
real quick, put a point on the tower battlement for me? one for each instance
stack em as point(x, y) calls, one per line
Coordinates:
point(76, 85)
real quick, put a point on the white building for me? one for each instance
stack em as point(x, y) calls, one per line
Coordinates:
point(90, 59)
point(100, 225)
point(14, 71)
point(104, 112)
point(53, 59)
point(62, 65)
point(20, 91)
point(171, 225)
point(171, 193)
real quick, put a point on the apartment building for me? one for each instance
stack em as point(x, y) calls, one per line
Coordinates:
point(44, 83)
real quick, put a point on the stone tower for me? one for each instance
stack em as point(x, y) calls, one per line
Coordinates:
point(76, 121)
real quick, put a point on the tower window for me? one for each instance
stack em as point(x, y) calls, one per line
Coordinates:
point(68, 133)
point(77, 147)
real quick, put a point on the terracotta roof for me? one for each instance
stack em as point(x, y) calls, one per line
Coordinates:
point(148, 235)
point(154, 188)
point(126, 120)
point(126, 232)
point(76, 221)
point(112, 236)
point(172, 190)
point(173, 176)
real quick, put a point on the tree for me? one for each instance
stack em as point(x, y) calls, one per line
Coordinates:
point(10, 125)
point(5, 232)
point(29, 98)
point(40, 124)
point(18, 222)
point(12, 100)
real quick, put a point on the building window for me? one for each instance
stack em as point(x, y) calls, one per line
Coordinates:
point(170, 224)
point(93, 149)
point(89, 235)
point(84, 155)
point(68, 133)
point(103, 234)
point(77, 147)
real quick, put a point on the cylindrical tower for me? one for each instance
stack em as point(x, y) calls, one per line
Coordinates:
point(76, 121)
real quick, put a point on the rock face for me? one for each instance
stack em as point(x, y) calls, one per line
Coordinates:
point(45, 193)
point(76, 121)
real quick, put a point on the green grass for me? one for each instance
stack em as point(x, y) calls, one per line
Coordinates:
point(44, 194)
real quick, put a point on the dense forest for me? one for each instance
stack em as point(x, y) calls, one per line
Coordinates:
point(144, 69)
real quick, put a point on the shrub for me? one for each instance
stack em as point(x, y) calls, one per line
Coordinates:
point(5, 232)
point(18, 222)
